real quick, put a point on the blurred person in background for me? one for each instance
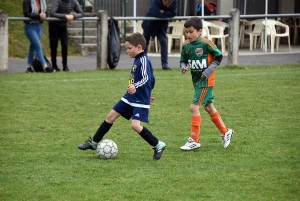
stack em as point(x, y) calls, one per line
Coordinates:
point(36, 10)
point(58, 29)
point(159, 28)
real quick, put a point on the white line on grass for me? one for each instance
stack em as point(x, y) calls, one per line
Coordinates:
point(157, 77)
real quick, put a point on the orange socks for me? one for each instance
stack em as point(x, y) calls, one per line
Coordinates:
point(196, 122)
point(217, 120)
point(195, 128)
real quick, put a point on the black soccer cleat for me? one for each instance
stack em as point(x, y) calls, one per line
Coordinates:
point(89, 144)
point(158, 152)
point(66, 69)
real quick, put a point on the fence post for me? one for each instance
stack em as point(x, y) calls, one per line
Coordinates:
point(3, 42)
point(102, 43)
point(233, 47)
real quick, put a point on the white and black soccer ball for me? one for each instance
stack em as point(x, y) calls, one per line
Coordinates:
point(107, 149)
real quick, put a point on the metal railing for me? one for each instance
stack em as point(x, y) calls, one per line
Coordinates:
point(102, 31)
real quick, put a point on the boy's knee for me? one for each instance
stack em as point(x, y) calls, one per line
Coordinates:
point(194, 108)
point(110, 118)
point(210, 108)
point(136, 126)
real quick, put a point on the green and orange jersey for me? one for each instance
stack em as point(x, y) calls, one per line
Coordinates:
point(198, 55)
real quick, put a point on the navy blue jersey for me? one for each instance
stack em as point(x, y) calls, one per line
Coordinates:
point(142, 77)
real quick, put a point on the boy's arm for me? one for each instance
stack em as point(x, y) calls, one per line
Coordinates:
point(213, 49)
point(217, 60)
point(145, 74)
point(183, 60)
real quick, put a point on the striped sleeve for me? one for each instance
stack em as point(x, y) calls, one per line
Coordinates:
point(144, 74)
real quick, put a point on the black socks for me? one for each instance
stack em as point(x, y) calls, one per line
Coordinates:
point(102, 130)
point(149, 137)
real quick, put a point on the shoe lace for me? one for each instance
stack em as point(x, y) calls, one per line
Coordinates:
point(89, 140)
point(225, 138)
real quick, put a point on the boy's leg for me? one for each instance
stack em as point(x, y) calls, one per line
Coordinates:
point(141, 114)
point(226, 133)
point(158, 146)
point(193, 141)
point(102, 130)
point(216, 118)
point(195, 127)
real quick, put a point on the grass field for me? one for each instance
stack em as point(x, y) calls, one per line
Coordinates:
point(45, 116)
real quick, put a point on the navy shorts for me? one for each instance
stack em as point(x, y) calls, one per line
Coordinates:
point(127, 111)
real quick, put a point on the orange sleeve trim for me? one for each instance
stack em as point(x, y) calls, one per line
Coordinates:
point(209, 42)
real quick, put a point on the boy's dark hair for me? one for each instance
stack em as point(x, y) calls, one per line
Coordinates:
point(195, 22)
point(136, 39)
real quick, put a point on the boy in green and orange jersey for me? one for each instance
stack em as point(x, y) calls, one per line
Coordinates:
point(202, 57)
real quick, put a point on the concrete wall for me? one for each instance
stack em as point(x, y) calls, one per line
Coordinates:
point(224, 6)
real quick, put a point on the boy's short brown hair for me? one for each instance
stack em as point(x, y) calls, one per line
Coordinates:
point(136, 39)
point(195, 22)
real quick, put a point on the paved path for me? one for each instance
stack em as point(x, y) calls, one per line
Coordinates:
point(246, 58)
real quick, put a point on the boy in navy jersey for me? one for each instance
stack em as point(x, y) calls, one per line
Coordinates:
point(135, 103)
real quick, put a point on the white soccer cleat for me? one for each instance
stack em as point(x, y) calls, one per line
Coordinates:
point(191, 144)
point(226, 138)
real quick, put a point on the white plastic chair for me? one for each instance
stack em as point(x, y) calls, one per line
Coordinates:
point(255, 28)
point(273, 31)
point(205, 32)
point(215, 31)
point(243, 26)
point(128, 25)
point(176, 33)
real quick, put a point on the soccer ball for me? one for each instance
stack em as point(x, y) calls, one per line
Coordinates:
point(107, 149)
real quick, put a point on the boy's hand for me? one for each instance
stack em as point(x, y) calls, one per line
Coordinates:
point(185, 69)
point(152, 99)
point(131, 89)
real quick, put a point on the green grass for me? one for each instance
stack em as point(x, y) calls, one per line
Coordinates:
point(45, 116)
point(18, 43)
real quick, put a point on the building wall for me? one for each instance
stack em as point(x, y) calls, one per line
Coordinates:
point(224, 6)
point(285, 6)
